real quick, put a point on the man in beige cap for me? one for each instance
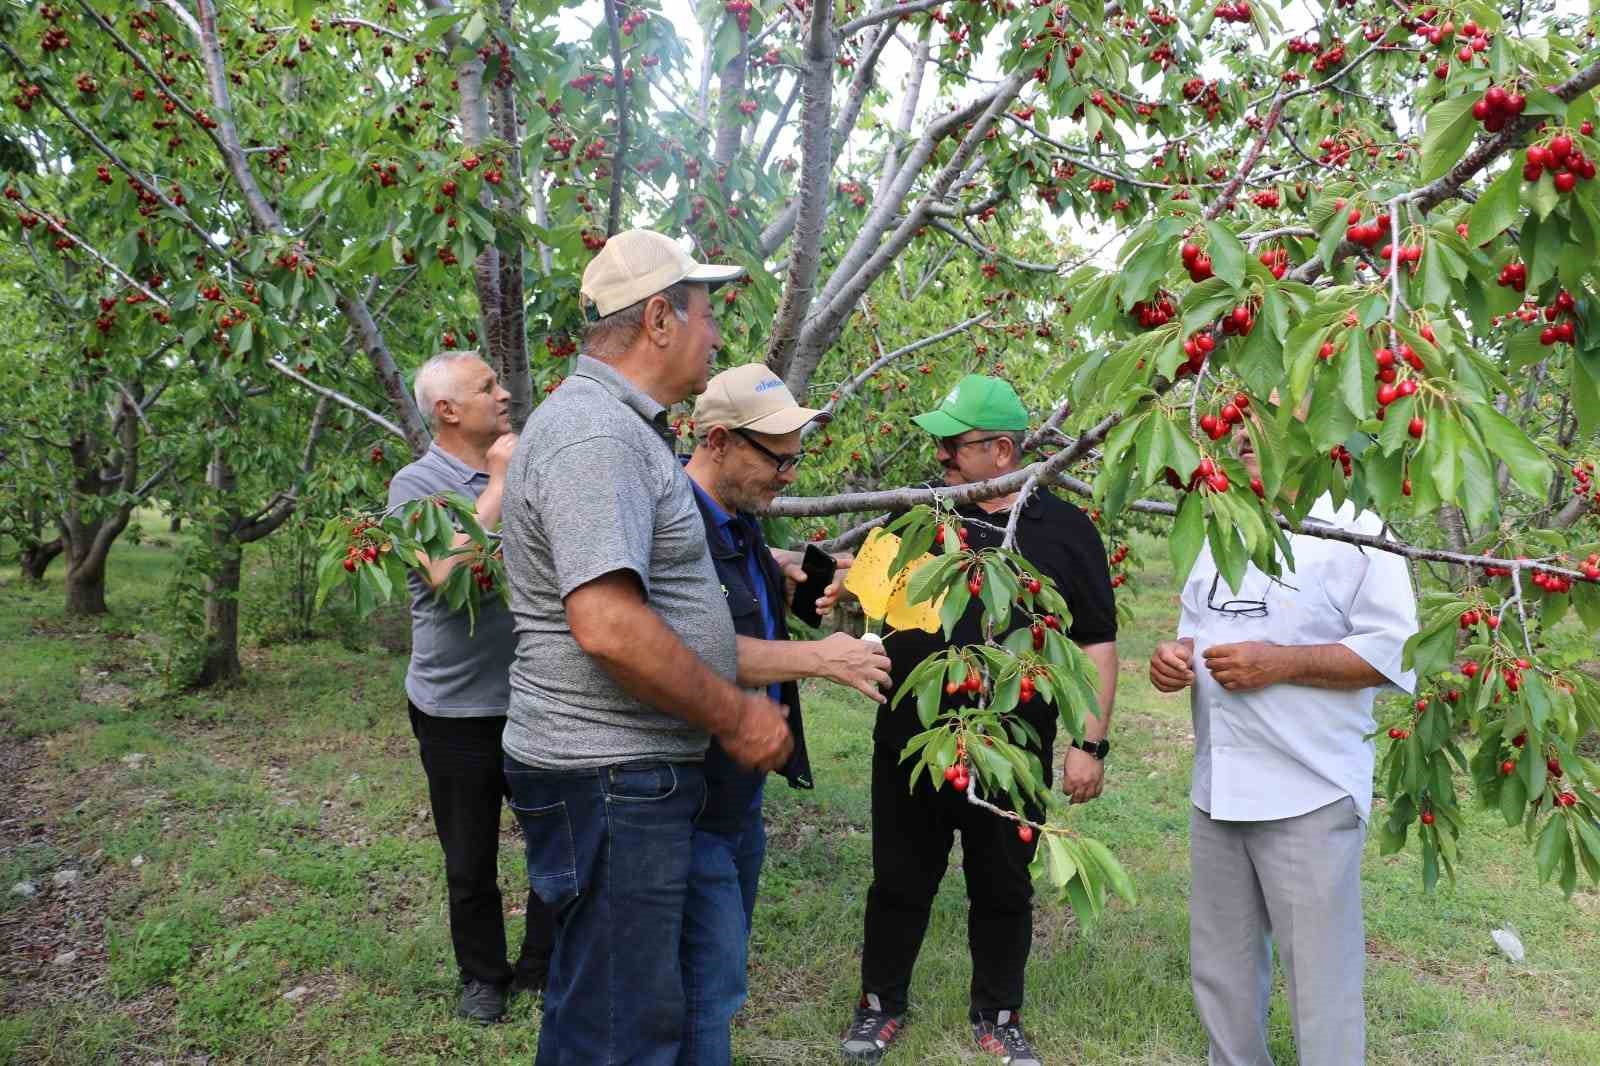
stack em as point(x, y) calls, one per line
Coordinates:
point(747, 450)
point(626, 657)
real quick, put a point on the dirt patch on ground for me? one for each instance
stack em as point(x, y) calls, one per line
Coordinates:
point(52, 928)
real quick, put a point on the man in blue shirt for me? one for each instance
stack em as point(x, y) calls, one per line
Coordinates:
point(748, 445)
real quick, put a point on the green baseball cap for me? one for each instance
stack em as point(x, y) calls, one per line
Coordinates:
point(976, 402)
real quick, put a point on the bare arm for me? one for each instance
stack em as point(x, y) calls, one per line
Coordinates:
point(614, 625)
point(1083, 775)
point(1255, 664)
point(839, 657)
point(1104, 657)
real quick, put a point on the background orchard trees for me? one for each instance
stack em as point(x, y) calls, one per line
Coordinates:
point(1380, 217)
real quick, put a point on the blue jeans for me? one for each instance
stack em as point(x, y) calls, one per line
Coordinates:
point(609, 850)
point(723, 876)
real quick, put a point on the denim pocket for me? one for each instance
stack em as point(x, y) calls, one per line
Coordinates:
point(552, 857)
point(642, 783)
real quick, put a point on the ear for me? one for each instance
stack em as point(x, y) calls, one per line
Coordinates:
point(659, 320)
point(717, 439)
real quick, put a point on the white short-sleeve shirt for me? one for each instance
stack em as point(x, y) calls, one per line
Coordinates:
point(1285, 750)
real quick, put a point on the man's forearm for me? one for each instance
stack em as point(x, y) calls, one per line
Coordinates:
point(643, 655)
point(1104, 657)
point(1331, 666)
point(770, 662)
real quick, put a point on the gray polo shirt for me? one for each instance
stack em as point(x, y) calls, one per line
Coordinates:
point(593, 488)
point(453, 673)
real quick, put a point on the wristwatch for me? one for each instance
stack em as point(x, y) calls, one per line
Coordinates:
point(1097, 748)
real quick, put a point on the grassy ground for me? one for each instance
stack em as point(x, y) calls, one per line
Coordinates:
point(257, 881)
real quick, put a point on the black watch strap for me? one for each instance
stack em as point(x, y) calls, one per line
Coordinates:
point(1097, 748)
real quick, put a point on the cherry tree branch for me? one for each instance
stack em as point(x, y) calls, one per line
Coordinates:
point(993, 253)
point(1225, 198)
point(885, 14)
point(620, 84)
point(873, 252)
point(861, 83)
point(908, 112)
point(277, 363)
point(849, 388)
point(1449, 184)
point(151, 186)
point(816, 165)
point(104, 260)
point(779, 125)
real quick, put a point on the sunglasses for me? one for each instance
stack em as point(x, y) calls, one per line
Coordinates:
point(1242, 608)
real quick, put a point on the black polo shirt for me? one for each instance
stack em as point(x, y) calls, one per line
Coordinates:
point(1059, 540)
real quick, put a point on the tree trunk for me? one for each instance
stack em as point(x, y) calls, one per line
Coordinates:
point(219, 662)
point(176, 525)
point(86, 579)
point(35, 558)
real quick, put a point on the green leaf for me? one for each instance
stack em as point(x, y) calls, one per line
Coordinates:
point(1508, 443)
point(955, 605)
point(1227, 254)
point(1541, 196)
point(1548, 851)
point(1449, 130)
point(1144, 269)
point(1513, 799)
point(1205, 301)
point(1496, 208)
point(1188, 533)
point(1121, 884)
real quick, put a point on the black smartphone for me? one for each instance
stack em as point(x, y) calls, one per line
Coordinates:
point(819, 567)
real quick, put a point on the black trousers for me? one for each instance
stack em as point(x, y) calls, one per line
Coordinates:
point(912, 830)
point(466, 784)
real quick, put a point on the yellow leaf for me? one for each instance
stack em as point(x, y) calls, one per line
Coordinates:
point(885, 599)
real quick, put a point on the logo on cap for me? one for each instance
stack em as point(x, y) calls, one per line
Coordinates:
point(769, 383)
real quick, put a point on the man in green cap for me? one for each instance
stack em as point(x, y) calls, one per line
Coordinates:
point(978, 432)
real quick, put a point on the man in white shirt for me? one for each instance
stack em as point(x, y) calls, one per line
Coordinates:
point(1283, 674)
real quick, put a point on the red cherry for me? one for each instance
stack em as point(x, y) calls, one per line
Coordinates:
point(1427, 817)
point(1415, 428)
point(1025, 833)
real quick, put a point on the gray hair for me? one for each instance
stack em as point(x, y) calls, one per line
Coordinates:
point(611, 335)
point(434, 382)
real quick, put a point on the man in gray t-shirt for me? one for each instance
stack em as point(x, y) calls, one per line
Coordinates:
point(457, 685)
point(626, 657)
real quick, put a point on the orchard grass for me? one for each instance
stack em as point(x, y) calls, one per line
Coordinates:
point(286, 851)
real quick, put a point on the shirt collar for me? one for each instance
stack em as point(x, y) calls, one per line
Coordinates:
point(608, 378)
point(451, 465)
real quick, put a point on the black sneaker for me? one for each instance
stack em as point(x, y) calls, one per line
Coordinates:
point(482, 1002)
point(871, 1033)
point(1004, 1037)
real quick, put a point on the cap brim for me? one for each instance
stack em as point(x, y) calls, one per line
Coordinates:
point(713, 276)
point(786, 421)
point(940, 424)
